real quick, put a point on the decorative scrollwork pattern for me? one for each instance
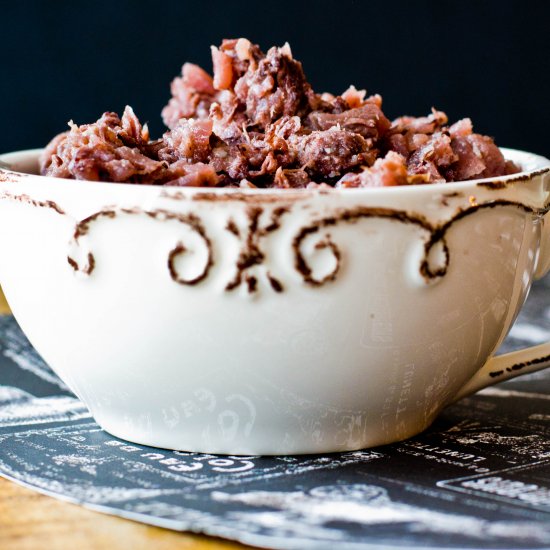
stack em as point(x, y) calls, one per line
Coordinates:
point(190, 220)
point(259, 224)
point(436, 235)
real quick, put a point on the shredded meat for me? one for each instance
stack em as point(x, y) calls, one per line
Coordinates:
point(368, 120)
point(445, 153)
point(258, 123)
point(390, 170)
point(192, 95)
point(111, 149)
point(189, 140)
point(330, 153)
point(198, 174)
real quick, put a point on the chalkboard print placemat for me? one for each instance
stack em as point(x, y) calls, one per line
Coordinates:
point(479, 478)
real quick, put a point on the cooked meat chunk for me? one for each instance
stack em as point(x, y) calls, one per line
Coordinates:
point(388, 171)
point(198, 174)
point(192, 95)
point(366, 120)
point(445, 153)
point(189, 140)
point(111, 149)
point(330, 153)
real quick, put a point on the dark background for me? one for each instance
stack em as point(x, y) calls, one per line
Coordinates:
point(73, 60)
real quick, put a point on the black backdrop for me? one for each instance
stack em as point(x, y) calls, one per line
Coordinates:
point(489, 60)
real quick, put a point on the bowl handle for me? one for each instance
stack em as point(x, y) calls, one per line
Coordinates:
point(543, 263)
point(507, 366)
point(503, 367)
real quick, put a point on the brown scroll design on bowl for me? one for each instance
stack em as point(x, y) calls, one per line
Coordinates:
point(436, 235)
point(259, 224)
point(251, 253)
point(189, 219)
point(82, 228)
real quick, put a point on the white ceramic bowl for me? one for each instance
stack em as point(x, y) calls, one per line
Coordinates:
point(272, 322)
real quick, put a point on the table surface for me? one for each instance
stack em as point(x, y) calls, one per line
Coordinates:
point(29, 520)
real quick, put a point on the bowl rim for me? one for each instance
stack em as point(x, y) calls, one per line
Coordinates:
point(540, 166)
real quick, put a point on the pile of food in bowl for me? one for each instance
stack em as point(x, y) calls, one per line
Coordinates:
point(257, 123)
